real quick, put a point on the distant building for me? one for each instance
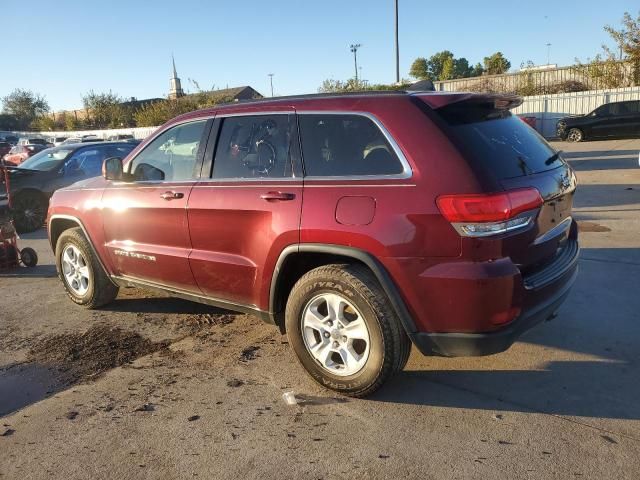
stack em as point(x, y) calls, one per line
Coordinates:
point(175, 88)
point(235, 94)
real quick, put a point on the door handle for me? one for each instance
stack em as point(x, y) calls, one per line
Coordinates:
point(171, 195)
point(277, 196)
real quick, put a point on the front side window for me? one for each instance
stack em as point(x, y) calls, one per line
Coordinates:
point(345, 145)
point(254, 147)
point(85, 163)
point(607, 110)
point(171, 156)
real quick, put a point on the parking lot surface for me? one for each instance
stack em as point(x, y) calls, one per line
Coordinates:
point(154, 387)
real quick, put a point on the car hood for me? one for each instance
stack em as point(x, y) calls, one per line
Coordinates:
point(16, 175)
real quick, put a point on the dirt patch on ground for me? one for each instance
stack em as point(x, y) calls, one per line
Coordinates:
point(80, 356)
point(592, 227)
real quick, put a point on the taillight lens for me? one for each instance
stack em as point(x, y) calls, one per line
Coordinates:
point(479, 215)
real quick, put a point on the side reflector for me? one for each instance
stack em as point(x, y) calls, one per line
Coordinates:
point(505, 317)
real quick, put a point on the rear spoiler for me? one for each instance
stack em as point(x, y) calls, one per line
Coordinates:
point(493, 100)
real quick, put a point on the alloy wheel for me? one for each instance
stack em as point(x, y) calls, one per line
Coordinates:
point(335, 334)
point(75, 270)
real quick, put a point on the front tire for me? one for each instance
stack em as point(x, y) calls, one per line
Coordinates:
point(575, 135)
point(344, 330)
point(29, 212)
point(84, 279)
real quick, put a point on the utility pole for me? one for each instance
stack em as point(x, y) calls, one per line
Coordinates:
point(354, 50)
point(271, 82)
point(548, 54)
point(397, 47)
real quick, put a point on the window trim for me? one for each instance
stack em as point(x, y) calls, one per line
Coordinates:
point(295, 156)
point(199, 155)
point(406, 173)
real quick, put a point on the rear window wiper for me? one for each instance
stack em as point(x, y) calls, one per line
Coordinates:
point(553, 158)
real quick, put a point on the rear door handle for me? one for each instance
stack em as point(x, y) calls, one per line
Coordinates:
point(171, 195)
point(277, 196)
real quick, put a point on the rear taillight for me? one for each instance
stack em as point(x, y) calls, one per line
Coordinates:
point(481, 215)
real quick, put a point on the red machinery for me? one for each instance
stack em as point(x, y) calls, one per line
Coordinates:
point(10, 256)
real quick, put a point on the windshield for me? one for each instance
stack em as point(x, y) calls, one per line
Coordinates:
point(46, 159)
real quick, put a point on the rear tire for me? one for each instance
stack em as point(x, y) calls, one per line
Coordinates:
point(575, 135)
point(344, 330)
point(83, 277)
point(29, 212)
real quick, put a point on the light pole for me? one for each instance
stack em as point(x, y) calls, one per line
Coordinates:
point(548, 54)
point(271, 82)
point(354, 50)
point(397, 48)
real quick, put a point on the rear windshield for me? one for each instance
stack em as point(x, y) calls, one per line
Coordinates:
point(499, 141)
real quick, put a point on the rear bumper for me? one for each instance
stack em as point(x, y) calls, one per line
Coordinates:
point(542, 299)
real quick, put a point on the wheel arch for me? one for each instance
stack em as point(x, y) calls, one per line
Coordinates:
point(296, 260)
point(59, 223)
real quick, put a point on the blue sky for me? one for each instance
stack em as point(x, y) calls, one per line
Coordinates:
point(63, 49)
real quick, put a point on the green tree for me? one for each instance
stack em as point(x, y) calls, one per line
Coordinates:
point(337, 86)
point(43, 123)
point(71, 123)
point(496, 64)
point(477, 70)
point(25, 106)
point(419, 69)
point(8, 122)
point(440, 65)
point(106, 110)
point(628, 42)
point(447, 72)
point(159, 112)
point(461, 68)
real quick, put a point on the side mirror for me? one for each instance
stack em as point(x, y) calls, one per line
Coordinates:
point(112, 169)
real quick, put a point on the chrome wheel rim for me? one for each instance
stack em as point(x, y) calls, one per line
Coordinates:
point(75, 270)
point(575, 136)
point(335, 334)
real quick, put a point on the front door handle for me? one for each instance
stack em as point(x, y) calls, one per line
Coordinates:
point(277, 196)
point(171, 195)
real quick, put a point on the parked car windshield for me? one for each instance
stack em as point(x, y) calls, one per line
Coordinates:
point(46, 159)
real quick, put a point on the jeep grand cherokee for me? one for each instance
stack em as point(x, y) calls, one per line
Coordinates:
point(358, 224)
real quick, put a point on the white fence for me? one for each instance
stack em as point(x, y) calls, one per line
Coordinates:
point(548, 109)
point(139, 133)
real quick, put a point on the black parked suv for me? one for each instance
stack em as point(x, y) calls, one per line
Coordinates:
point(33, 182)
point(618, 119)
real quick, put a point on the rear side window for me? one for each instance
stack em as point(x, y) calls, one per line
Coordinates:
point(345, 145)
point(499, 141)
point(254, 147)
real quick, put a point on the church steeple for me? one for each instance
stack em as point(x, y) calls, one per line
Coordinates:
point(175, 89)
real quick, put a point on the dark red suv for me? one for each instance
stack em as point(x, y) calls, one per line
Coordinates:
point(355, 223)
